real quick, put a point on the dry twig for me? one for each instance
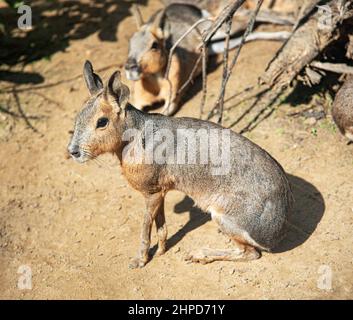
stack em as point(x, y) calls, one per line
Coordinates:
point(171, 52)
point(226, 76)
point(333, 67)
point(225, 67)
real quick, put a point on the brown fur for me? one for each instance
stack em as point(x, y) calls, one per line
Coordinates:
point(342, 110)
point(152, 89)
point(152, 61)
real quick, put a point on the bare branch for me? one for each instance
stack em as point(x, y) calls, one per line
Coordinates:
point(333, 67)
point(225, 67)
point(305, 11)
point(269, 16)
point(181, 39)
point(191, 76)
point(225, 14)
point(235, 58)
point(204, 79)
point(171, 52)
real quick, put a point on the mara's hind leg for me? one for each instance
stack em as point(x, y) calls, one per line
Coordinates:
point(244, 247)
point(241, 252)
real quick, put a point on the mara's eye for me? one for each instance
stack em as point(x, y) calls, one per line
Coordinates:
point(102, 122)
point(154, 45)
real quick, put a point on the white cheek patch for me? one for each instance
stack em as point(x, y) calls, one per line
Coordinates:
point(132, 75)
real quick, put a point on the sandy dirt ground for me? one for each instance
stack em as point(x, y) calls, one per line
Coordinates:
point(77, 226)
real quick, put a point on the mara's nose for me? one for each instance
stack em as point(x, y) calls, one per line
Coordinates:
point(74, 151)
point(130, 64)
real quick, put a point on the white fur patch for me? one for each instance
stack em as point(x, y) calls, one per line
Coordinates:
point(132, 75)
point(214, 212)
point(349, 136)
point(217, 215)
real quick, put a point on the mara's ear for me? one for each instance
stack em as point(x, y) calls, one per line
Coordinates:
point(117, 93)
point(93, 81)
point(137, 15)
point(157, 26)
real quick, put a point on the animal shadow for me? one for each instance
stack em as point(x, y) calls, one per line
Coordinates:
point(196, 219)
point(309, 207)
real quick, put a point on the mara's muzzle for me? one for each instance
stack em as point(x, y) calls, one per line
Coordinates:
point(132, 69)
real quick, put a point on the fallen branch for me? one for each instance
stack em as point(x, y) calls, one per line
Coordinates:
point(302, 48)
point(299, 52)
point(333, 67)
point(269, 16)
point(305, 11)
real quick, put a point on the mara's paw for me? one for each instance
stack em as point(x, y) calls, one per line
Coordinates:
point(137, 263)
point(251, 254)
point(160, 252)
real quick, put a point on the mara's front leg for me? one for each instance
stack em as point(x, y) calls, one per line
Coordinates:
point(154, 209)
point(161, 231)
